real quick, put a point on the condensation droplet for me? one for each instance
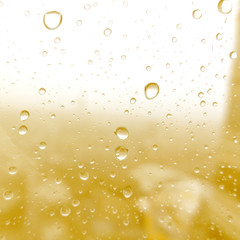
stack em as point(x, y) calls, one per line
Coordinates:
point(57, 40)
point(225, 6)
point(22, 130)
point(8, 195)
point(52, 20)
point(233, 55)
point(79, 22)
point(107, 32)
point(127, 192)
point(84, 176)
point(75, 202)
point(197, 14)
point(200, 94)
point(151, 90)
point(197, 170)
point(132, 100)
point(214, 104)
point(122, 133)
point(42, 91)
point(44, 53)
point(155, 147)
point(148, 68)
point(202, 103)
point(203, 69)
point(121, 153)
point(24, 115)
point(219, 36)
point(42, 145)
point(65, 211)
point(12, 170)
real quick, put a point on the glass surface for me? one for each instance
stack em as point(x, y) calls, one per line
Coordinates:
point(119, 120)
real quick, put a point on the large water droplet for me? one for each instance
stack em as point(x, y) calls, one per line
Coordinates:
point(65, 211)
point(22, 130)
point(42, 145)
point(127, 192)
point(225, 6)
point(52, 20)
point(233, 55)
point(151, 90)
point(122, 133)
point(12, 170)
point(121, 153)
point(8, 195)
point(84, 176)
point(24, 115)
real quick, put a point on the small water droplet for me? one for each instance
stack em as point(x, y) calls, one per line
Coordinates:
point(203, 69)
point(52, 20)
point(44, 53)
point(87, 6)
point(121, 153)
point(75, 202)
point(107, 32)
point(197, 14)
point(202, 103)
point(155, 147)
point(12, 170)
point(24, 115)
point(65, 211)
point(84, 176)
point(57, 40)
point(127, 192)
point(148, 68)
point(133, 100)
point(22, 130)
point(8, 195)
point(42, 145)
point(219, 36)
point(233, 55)
point(42, 91)
point(79, 22)
point(151, 90)
point(200, 94)
point(214, 104)
point(197, 170)
point(122, 133)
point(225, 6)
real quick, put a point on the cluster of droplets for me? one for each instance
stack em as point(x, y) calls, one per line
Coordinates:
point(121, 152)
point(24, 115)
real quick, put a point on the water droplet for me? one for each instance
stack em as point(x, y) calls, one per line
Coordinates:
point(179, 26)
point(151, 90)
point(214, 104)
point(148, 68)
point(107, 32)
point(84, 176)
point(121, 153)
point(155, 147)
point(203, 69)
point(79, 22)
point(122, 133)
point(127, 192)
point(132, 100)
point(52, 20)
point(225, 6)
point(42, 145)
point(57, 40)
point(197, 14)
point(75, 202)
point(8, 195)
point(65, 211)
point(22, 130)
point(87, 6)
point(12, 170)
point(24, 115)
point(197, 170)
point(233, 55)
point(174, 39)
point(202, 103)
point(200, 94)
point(169, 115)
point(44, 53)
point(42, 91)
point(219, 36)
